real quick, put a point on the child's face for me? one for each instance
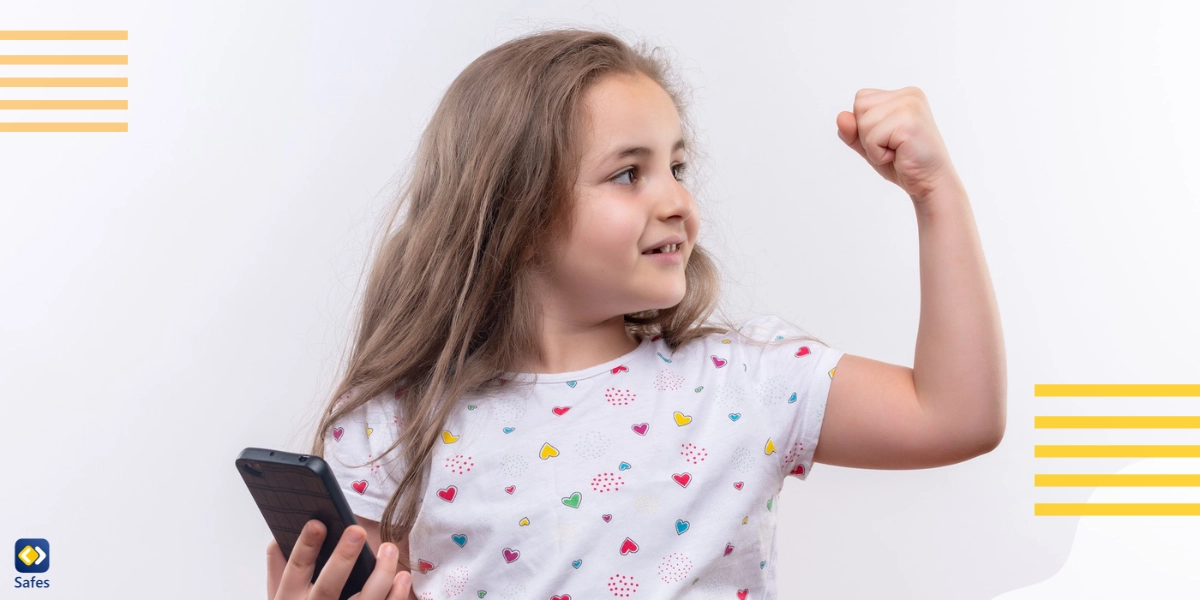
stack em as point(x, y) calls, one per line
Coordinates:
point(619, 213)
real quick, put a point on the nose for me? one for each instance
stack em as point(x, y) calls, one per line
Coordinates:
point(673, 199)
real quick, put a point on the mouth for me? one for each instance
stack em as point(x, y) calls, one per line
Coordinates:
point(668, 249)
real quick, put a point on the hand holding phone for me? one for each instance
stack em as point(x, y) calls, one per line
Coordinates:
point(289, 579)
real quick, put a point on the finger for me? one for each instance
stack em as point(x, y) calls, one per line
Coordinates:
point(337, 569)
point(850, 134)
point(275, 564)
point(299, 571)
point(380, 581)
point(401, 586)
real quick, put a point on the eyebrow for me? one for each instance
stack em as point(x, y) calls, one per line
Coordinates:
point(641, 151)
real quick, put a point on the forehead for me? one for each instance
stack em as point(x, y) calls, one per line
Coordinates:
point(625, 110)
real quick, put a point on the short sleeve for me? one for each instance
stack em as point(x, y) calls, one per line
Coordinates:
point(793, 380)
point(354, 450)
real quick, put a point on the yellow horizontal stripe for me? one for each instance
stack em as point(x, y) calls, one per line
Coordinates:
point(1116, 389)
point(1119, 422)
point(64, 82)
point(64, 59)
point(1111, 451)
point(1113, 480)
point(1116, 510)
point(63, 35)
point(62, 127)
point(64, 104)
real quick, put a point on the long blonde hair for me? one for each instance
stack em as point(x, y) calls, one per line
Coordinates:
point(448, 306)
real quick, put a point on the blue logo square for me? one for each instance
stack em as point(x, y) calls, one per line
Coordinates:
point(32, 555)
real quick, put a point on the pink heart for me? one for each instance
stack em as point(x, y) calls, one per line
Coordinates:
point(562, 597)
point(359, 486)
point(737, 484)
point(682, 479)
point(640, 428)
point(561, 410)
point(728, 549)
point(510, 489)
point(802, 351)
point(448, 494)
point(337, 434)
point(628, 546)
point(511, 555)
point(606, 518)
point(720, 362)
point(619, 368)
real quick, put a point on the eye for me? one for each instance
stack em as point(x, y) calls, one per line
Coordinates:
point(632, 170)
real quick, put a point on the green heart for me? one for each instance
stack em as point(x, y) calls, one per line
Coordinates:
point(698, 389)
point(769, 500)
point(482, 593)
point(472, 407)
point(573, 500)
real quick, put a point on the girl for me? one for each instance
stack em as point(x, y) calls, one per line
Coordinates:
point(535, 406)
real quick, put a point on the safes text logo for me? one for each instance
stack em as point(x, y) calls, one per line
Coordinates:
point(31, 555)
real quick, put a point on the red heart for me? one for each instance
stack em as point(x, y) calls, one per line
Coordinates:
point(359, 486)
point(337, 434)
point(448, 494)
point(799, 470)
point(720, 362)
point(640, 428)
point(606, 518)
point(511, 555)
point(562, 597)
point(628, 546)
point(743, 594)
point(618, 369)
point(737, 484)
point(728, 548)
point(424, 566)
point(510, 489)
point(682, 479)
point(802, 351)
point(561, 410)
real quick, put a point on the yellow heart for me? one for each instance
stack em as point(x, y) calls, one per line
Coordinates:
point(744, 520)
point(524, 521)
point(548, 451)
point(724, 341)
point(831, 372)
point(369, 430)
point(448, 437)
point(682, 419)
point(770, 446)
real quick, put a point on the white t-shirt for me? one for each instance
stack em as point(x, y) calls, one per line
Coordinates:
point(653, 475)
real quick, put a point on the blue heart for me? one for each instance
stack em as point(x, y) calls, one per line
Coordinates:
point(762, 565)
point(571, 383)
point(779, 337)
point(663, 357)
point(793, 398)
point(460, 539)
point(625, 466)
point(508, 430)
point(681, 526)
point(575, 563)
point(735, 416)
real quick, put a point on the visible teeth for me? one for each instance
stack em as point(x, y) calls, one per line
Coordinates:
point(669, 248)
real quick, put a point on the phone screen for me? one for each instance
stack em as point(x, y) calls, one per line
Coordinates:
point(291, 489)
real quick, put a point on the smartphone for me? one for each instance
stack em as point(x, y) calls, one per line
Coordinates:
point(291, 489)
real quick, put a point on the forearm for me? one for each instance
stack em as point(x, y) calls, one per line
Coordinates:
point(959, 369)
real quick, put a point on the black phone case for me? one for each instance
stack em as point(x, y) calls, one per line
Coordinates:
point(290, 489)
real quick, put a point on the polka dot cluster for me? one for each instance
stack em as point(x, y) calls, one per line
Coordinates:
point(459, 464)
point(792, 455)
point(731, 397)
point(667, 381)
point(646, 504)
point(773, 391)
point(607, 482)
point(674, 567)
point(592, 444)
point(456, 582)
point(693, 453)
point(514, 465)
point(743, 460)
point(622, 586)
point(618, 397)
point(508, 410)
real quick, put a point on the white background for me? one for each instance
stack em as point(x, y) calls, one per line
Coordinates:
point(173, 294)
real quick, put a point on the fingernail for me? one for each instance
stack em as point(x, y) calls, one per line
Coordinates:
point(387, 551)
point(355, 535)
